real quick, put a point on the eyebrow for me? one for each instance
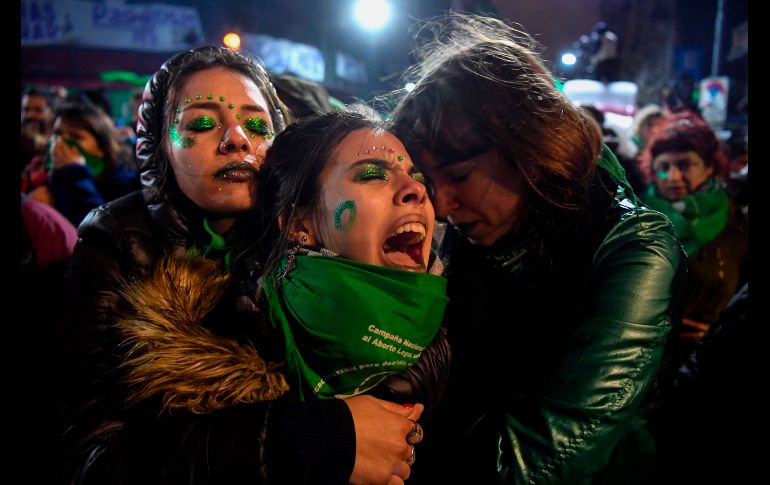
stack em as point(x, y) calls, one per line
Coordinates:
point(218, 105)
point(380, 162)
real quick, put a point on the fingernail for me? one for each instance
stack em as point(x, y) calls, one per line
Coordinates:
point(410, 406)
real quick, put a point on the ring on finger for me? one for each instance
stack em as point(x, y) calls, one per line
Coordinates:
point(415, 434)
point(410, 460)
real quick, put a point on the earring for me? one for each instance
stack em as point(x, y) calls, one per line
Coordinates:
point(292, 255)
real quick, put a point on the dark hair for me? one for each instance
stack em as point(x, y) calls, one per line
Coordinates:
point(158, 103)
point(481, 72)
point(685, 132)
point(92, 118)
point(289, 179)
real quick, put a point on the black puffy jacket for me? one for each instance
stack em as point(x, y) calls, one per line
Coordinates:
point(100, 438)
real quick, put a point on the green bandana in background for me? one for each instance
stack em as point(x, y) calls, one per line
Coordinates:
point(350, 325)
point(698, 218)
point(95, 163)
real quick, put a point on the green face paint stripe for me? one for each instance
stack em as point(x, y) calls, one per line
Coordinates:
point(347, 205)
point(178, 140)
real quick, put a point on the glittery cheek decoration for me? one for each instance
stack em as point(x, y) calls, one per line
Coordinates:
point(661, 174)
point(348, 207)
point(178, 140)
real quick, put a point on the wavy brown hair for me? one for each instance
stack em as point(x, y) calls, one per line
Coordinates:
point(481, 72)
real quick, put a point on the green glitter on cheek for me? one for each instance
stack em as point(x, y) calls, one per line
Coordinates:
point(662, 175)
point(178, 140)
point(347, 205)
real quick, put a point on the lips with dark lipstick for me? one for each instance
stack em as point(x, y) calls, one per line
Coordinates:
point(237, 172)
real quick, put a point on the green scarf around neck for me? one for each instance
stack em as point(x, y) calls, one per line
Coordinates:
point(698, 218)
point(220, 247)
point(349, 325)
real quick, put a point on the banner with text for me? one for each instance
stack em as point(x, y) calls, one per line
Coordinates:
point(139, 27)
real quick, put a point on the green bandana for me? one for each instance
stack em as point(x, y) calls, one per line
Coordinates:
point(95, 163)
point(698, 218)
point(219, 248)
point(350, 325)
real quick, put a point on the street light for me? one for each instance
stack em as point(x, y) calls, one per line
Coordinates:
point(232, 41)
point(372, 14)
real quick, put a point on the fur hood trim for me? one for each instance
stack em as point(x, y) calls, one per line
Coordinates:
point(172, 357)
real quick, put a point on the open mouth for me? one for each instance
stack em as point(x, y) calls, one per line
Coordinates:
point(405, 246)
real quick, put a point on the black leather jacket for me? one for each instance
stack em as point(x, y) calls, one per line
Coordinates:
point(101, 440)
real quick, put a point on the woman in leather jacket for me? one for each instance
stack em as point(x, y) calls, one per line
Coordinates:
point(562, 286)
point(164, 406)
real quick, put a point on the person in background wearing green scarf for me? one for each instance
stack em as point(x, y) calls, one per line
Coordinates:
point(562, 286)
point(351, 280)
point(87, 164)
point(687, 162)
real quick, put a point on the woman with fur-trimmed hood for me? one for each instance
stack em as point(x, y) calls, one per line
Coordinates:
point(165, 372)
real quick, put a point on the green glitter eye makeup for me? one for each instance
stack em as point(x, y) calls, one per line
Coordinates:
point(203, 123)
point(371, 171)
point(418, 176)
point(258, 126)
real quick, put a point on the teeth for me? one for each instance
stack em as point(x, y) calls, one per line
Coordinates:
point(416, 227)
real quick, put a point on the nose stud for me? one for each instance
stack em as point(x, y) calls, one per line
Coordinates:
point(222, 147)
